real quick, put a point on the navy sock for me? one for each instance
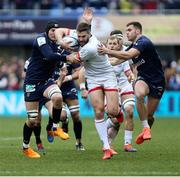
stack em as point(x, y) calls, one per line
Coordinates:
point(27, 132)
point(78, 129)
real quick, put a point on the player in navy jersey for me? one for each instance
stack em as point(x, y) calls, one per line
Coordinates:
point(70, 98)
point(38, 83)
point(150, 80)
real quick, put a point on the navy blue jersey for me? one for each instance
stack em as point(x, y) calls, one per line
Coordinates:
point(148, 62)
point(45, 55)
point(70, 68)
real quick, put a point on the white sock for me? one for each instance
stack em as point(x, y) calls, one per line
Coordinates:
point(145, 124)
point(112, 133)
point(102, 131)
point(127, 137)
point(109, 123)
point(25, 145)
point(55, 125)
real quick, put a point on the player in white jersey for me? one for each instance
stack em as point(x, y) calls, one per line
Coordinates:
point(123, 73)
point(101, 81)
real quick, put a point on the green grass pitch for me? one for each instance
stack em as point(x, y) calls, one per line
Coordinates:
point(158, 157)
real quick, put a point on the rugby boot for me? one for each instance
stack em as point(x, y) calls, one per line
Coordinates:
point(129, 148)
point(59, 132)
point(107, 154)
point(29, 152)
point(50, 136)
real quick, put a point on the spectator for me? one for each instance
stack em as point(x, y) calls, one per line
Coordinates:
point(4, 79)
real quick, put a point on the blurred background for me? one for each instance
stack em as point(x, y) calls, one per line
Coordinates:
point(22, 20)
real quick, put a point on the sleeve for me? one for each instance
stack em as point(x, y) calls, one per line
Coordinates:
point(47, 51)
point(86, 52)
point(140, 45)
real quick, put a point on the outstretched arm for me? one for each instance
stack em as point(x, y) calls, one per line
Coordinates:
point(122, 55)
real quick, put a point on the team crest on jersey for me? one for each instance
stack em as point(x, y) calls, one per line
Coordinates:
point(41, 41)
point(30, 88)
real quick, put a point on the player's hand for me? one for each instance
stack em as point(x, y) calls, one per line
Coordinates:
point(84, 93)
point(72, 58)
point(66, 45)
point(102, 49)
point(131, 78)
point(88, 15)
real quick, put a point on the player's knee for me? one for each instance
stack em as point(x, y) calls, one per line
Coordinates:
point(129, 112)
point(140, 98)
point(32, 117)
point(99, 113)
point(113, 112)
point(55, 95)
point(57, 100)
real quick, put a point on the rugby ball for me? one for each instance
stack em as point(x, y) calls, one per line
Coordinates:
point(73, 42)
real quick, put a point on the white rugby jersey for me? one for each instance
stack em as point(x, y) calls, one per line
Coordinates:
point(120, 71)
point(95, 65)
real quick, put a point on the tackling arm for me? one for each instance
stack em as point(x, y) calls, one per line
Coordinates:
point(122, 55)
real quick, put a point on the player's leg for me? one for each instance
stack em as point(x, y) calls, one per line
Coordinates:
point(128, 102)
point(64, 119)
point(152, 104)
point(113, 127)
point(73, 105)
point(112, 102)
point(97, 100)
point(141, 90)
point(54, 94)
point(37, 134)
point(32, 121)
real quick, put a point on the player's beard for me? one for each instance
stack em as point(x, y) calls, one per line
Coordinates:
point(82, 43)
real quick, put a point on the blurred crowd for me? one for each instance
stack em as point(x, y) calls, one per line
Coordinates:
point(122, 5)
point(12, 74)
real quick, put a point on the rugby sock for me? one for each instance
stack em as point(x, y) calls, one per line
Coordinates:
point(145, 123)
point(27, 132)
point(78, 129)
point(112, 133)
point(109, 123)
point(65, 125)
point(102, 131)
point(151, 121)
point(37, 132)
point(50, 124)
point(56, 113)
point(127, 137)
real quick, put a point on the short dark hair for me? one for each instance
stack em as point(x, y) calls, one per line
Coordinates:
point(117, 33)
point(136, 25)
point(83, 27)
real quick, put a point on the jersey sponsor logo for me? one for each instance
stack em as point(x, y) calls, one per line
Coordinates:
point(30, 88)
point(142, 61)
point(41, 41)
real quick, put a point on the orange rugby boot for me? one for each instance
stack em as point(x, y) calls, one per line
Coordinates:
point(59, 132)
point(29, 152)
point(107, 154)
